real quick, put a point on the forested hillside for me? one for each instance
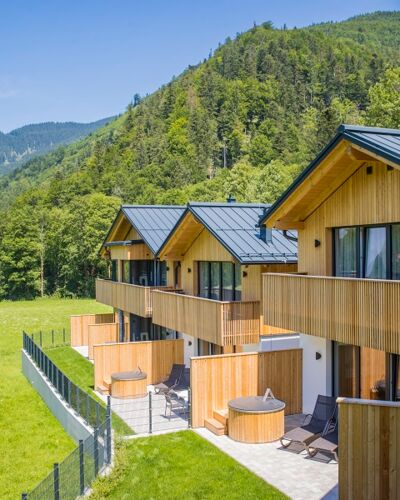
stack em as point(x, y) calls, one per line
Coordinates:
point(22, 144)
point(243, 122)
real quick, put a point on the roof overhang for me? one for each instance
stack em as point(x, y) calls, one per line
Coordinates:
point(340, 159)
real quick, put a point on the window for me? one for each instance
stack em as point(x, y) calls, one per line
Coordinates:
point(396, 252)
point(114, 270)
point(142, 272)
point(126, 271)
point(219, 281)
point(371, 252)
point(375, 253)
point(346, 264)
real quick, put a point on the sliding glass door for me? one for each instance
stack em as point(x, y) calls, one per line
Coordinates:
point(219, 281)
point(376, 257)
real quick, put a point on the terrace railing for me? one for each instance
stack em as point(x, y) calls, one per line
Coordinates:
point(74, 475)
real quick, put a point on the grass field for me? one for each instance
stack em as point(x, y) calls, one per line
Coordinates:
point(81, 373)
point(180, 465)
point(31, 438)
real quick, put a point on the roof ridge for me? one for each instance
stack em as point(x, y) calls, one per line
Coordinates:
point(226, 204)
point(371, 130)
point(154, 206)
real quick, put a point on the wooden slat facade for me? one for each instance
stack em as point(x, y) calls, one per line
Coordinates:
point(134, 299)
point(215, 380)
point(222, 323)
point(154, 357)
point(369, 449)
point(354, 311)
point(80, 323)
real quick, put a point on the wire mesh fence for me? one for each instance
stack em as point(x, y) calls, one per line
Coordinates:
point(74, 475)
point(154, 413)
point(85, 405)
point(51, 338)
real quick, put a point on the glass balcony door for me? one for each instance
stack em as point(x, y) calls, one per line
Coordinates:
point(219, 281)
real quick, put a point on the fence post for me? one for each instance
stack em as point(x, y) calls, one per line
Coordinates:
point(97, 415)
point(56, 480)
point(96, 450)
point(52, 338)
point(40, 338)
point(24, 496)
point(87, 407)
point(78, 401)
point(81, 468)
point(63, 335)
point(108, 430)
point(189, 408)
point(69, 392)
point(150, 415)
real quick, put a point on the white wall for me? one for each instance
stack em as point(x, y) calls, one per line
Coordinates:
point(317, 373)
point(189, 351)
point(279, 342)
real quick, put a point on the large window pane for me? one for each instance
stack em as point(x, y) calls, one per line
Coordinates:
point(375, 253)
point(215, 283)
point(396, 252)
point(238, 282)
point(114, 270)
point(228, 281)
point(346, 252)
point(126, 271)
point(204, 279)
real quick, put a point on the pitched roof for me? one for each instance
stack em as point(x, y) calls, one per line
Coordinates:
point(153, 222)
point(234, 226)
point(380, 141)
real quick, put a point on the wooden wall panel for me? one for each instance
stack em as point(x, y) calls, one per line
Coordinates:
point(354, 311)
point(155, 358)
point(132, 252)
point(215, 380)
point(369, 449)
point(100, 334)
point(362, 199)
point(80, 323)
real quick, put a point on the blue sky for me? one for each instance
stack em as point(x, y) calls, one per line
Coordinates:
point(82, 60)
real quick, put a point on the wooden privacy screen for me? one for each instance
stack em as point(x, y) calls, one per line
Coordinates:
point(101, 334)
point(79, 326)
point(154, 357)
point(369, 449)
point(215, 380)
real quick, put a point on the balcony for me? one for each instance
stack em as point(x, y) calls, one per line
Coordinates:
point(222, 323)
point(134, 299)
point(350, 310)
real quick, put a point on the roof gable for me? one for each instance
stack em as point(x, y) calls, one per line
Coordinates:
point(351, 148)
point(152, 223)
point(234, 226)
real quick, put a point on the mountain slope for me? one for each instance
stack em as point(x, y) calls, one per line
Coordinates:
point(22, 144)
point(245, 121)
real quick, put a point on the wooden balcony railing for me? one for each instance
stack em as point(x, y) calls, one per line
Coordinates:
point(222, 323)
point(350, 310)
point(134, 299)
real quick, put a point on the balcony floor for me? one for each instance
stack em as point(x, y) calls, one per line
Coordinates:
point(292, 473)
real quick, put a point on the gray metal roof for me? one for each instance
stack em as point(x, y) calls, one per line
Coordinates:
point(153, 222)
point(384, 142)
point(234, 225)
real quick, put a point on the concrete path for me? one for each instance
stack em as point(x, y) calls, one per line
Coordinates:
point(295, 475)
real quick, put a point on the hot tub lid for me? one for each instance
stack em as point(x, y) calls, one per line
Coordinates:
point(132, 375)
point(256, 404)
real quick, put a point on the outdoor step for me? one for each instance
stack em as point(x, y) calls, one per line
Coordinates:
point(221, 416)
point(103, 390)
point(214, 426)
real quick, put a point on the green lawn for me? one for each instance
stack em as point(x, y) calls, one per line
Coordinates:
point(81, 373)
point(179, 465)
point(31, 438)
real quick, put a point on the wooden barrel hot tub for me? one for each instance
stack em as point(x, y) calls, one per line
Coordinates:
point(256, 419)
point(129, 384)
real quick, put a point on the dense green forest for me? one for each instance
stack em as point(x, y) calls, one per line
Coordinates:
point(24, 143)
point(244, 122)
